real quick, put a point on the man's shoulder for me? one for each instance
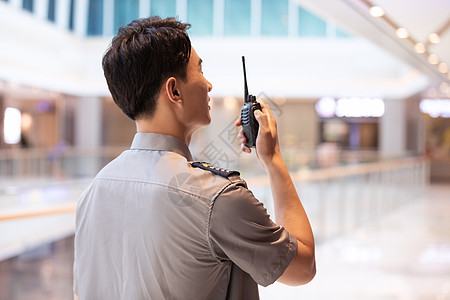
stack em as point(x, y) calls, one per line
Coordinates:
point(210, 179)
point(223, 172)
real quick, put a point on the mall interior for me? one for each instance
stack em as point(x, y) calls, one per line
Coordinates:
point(361, 93)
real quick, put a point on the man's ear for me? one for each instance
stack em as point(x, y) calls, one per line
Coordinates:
point(172, 90)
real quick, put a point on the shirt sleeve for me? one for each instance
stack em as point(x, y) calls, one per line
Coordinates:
point(242, 231)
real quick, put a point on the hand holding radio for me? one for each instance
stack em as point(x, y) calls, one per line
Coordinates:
point(267, 147)
point(249, 124)
point(260, 129)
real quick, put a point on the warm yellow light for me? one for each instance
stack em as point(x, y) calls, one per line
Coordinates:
point(443, 67)
point(402, 33)
point(229, 103)
point(27, 121)
point(443, 87)
point(432, 59)
point(376, 11)
point(434, 38)
point(420, 48)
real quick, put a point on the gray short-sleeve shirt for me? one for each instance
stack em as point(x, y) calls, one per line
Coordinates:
point(153, 226)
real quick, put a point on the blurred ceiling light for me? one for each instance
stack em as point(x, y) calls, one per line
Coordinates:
point(325, 107)
point(434, 38)
point(328, 107)
point(402, 33)
point(12, 125)
point(436, 107)
point(420, 48)
point(432, 59)
point(376, 11)
point(443, 67)
point(359, 107)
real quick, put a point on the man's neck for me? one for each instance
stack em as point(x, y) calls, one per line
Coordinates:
point(175, 130)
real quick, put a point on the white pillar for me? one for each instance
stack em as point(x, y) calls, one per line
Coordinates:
point(144, 8)
point(219, 17)
point(16, 3)
point(108, 18)
point(62, 13)
point(392, 133)
point(81, 17)
point(331, 29)
point(88, 121)
point(255, 17)
point(41, 9)
point(181, 10)
point(293, 19)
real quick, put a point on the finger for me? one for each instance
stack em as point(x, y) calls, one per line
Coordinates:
point(238, 122)
point(261, 117)
point(270, 116)
point(269, 113)
point(246, 149)
point(268, 109)
point(243, 140)
point(242, 137)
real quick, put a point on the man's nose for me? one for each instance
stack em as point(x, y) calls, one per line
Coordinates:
point(209, 86)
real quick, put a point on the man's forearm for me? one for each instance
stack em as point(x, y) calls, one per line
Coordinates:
point(289, 211)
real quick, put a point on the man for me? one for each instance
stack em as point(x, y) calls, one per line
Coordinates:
point(155, 225)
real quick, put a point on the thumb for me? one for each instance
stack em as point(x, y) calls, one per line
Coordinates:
point(260, 117)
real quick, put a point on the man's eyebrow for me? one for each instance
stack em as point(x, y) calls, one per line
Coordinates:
point(200, 61)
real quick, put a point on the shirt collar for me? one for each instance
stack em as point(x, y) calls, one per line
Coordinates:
point(160, 142)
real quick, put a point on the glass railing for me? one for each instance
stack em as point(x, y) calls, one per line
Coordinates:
point(345, 197)
point(340, 191)
point(59, 163)
point(39, 188)
point(62, 162)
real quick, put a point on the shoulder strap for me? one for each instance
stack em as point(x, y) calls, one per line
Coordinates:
point(216, 170)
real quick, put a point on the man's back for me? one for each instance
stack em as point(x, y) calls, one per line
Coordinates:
point(145, 216)
point(154, 226)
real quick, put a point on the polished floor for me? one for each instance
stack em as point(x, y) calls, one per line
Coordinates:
point(403, 255)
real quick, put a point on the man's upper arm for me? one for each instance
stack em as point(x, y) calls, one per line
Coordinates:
point(243, 232)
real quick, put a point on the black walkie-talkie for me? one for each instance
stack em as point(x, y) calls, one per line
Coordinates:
point(250, 125)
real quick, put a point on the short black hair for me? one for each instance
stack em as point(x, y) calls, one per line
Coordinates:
point(140, 58)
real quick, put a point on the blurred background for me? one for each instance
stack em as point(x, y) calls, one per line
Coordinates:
point(360, 90)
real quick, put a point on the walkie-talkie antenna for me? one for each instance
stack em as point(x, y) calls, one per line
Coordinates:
point(246, 98)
